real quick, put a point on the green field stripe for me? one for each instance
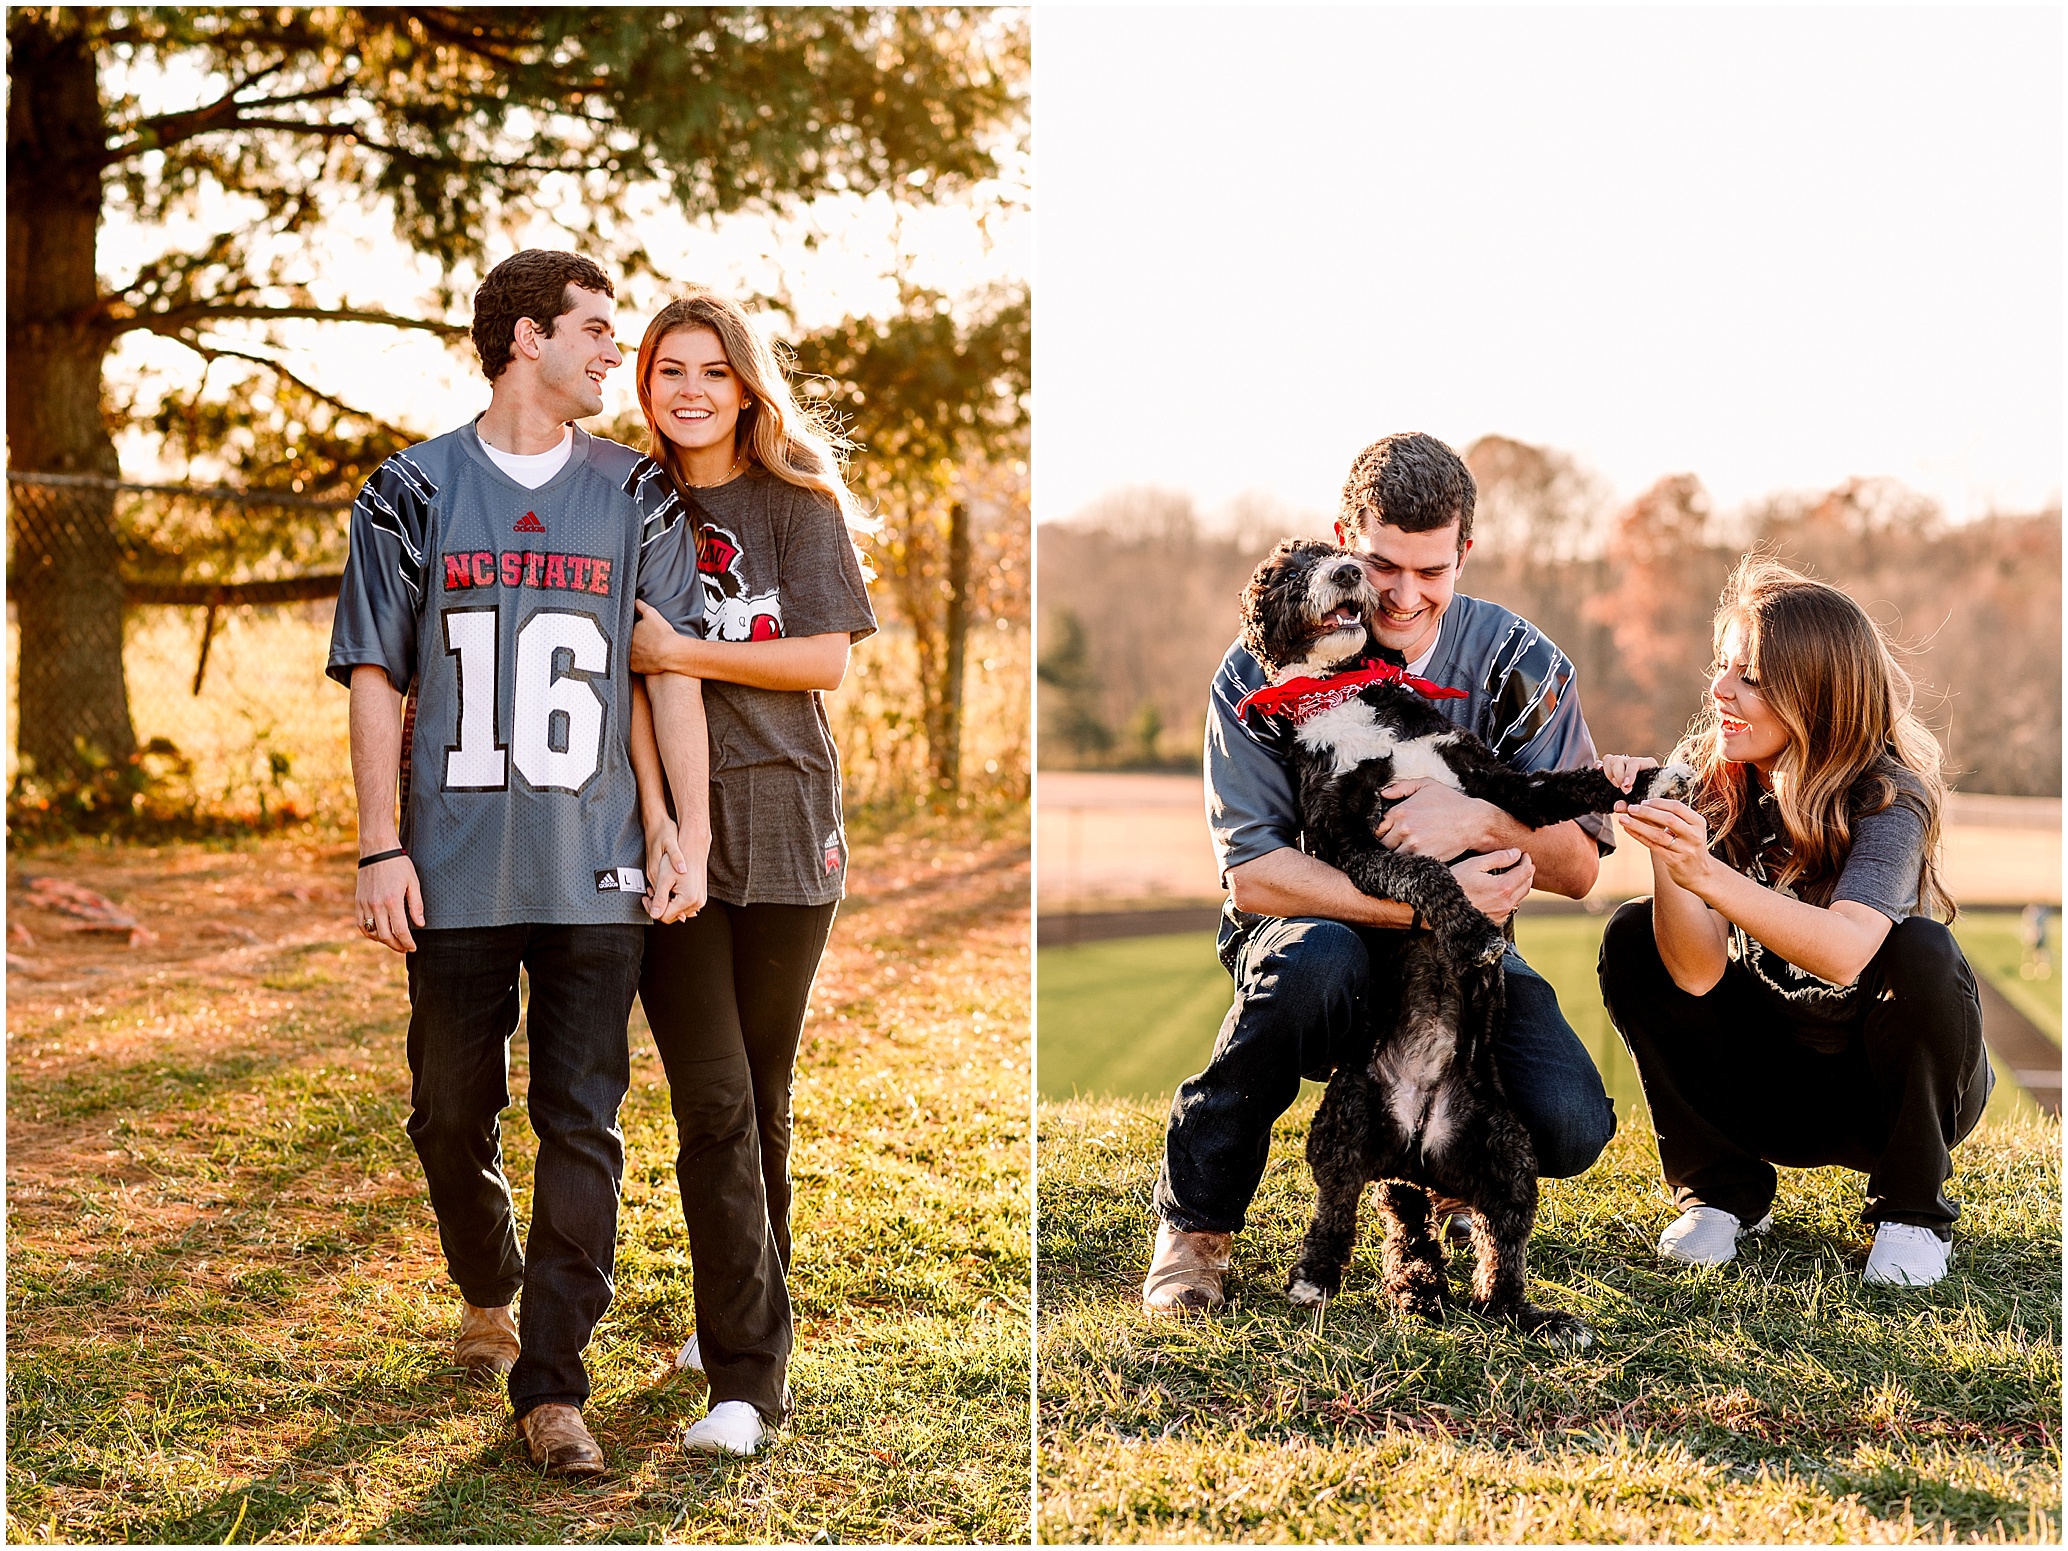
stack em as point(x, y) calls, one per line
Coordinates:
point(1172, 1042)
point(1134, 1016)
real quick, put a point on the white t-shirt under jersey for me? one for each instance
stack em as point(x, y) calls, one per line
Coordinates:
point(533, 469)
point(1420, 666)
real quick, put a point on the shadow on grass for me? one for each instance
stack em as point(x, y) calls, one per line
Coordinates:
point(330, 1015)
point(1779, 1379)
point(225, 1298)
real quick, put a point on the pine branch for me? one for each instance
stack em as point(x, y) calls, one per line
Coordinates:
point(225, 113)
point(213, 352)
point(173, 319)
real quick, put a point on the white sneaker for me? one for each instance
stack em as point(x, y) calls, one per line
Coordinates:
point(1707, 1236)
point(689, 1359)
point(733, 1427)
point(1905, 1255)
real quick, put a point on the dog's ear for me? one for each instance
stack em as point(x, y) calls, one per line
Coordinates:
point(1257, 611)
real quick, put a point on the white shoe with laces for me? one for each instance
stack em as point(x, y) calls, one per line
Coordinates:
point(689, 1359)
point(1707, 1236)
point(733, 1427)
point(1905, 1255)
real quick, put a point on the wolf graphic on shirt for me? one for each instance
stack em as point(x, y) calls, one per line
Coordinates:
point(732, 613)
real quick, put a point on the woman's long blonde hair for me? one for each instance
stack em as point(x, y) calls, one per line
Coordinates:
point(1826, 672)
point(789, 439)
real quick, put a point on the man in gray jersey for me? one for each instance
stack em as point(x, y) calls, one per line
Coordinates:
point(1299, 937)
point(493, 576)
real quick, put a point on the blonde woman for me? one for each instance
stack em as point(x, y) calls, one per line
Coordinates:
point(1786, 991)
point(725, 991)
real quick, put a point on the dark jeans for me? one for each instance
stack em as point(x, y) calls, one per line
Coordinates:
point(463, 1010)
point(726, 993)
point(1304, 994)
point(1733, 1091)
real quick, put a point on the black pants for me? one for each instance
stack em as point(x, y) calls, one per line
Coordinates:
point(463, 1010)
point(1305, 992)
point(726, 992)
point(1733, 1090)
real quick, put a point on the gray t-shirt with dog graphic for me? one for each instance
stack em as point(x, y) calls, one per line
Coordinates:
point(1519, 697)
point(775, 560)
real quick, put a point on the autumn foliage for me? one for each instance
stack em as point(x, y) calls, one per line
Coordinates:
point(1138, 602)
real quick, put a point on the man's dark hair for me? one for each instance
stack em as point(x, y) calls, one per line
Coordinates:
point(1414, 482)
point(530, 284)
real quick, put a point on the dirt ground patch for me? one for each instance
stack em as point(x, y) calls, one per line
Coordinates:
point(226, 1305)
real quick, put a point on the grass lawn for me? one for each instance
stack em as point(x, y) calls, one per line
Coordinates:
point(1133, 1017)
point(1772, 1400)
point(1777, 1399)
point(227, 1318)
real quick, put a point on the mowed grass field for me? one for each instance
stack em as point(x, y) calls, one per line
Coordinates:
point(227, 1317)
point(1776, 1399)
point(1133, 1017)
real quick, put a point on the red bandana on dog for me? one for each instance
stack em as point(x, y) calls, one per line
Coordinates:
point(1298, 699)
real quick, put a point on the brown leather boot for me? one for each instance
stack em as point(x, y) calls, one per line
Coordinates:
point(487, 1343)
point(560, 1441)
point(1185, 1272)
point(1452, 1218)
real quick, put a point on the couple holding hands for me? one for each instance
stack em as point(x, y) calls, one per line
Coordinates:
point(593, 677)
point(1787, 991)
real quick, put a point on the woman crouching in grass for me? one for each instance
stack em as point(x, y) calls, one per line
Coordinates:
point(1785, 991)
point(726, 991)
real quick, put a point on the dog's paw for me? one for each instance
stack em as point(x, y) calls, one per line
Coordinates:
point(1561, 1332)
point(1475, 943)
point(1305, 1293)
point(1674, 781)
point(1423, 1302)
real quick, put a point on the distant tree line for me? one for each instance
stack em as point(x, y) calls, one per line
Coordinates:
point(1138, 603)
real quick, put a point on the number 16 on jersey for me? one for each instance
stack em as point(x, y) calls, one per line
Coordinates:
point(556, 712)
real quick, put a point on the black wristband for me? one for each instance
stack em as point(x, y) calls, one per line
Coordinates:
point(382, 856)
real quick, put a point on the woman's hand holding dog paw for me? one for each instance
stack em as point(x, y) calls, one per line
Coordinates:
point(1624, 769)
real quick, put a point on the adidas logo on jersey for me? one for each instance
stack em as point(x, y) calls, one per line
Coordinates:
point(529, 523)
point(621, 880)
point(832, 849)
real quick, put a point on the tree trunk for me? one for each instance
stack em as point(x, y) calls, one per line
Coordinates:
point(945, 746)
point(74, 705)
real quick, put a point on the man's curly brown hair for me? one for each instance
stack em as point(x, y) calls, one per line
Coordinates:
point(1411, 481)
point(529, 284)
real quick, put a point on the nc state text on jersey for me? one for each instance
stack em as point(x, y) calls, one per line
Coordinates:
point(528, 568)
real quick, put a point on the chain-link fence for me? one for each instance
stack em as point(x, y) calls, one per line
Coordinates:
point(181, 633)
point(124, 599)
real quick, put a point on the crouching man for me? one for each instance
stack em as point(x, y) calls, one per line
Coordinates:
point(493, 573)
point(1297, 934)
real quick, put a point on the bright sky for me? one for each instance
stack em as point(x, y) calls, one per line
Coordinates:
point(1774, 247)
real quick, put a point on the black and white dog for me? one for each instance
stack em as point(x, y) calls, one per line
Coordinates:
point(1426, 1112)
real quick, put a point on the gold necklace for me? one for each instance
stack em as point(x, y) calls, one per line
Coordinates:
point(739, 462)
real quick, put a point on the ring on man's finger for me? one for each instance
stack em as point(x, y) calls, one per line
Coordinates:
point(367, 924)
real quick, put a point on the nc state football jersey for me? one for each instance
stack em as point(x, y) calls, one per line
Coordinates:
point(508, 613)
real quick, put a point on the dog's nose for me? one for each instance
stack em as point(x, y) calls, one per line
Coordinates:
point(1348, 574)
